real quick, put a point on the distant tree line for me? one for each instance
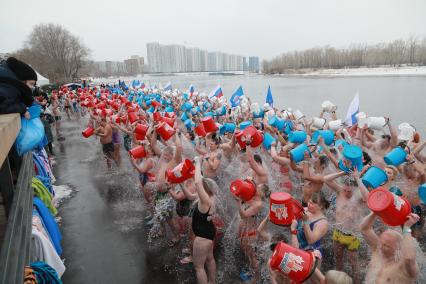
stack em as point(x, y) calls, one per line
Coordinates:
point(396, 53)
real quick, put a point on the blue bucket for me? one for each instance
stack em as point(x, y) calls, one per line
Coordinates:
point(268, 139)
point(374, 177)
point(169, 109)
point(230, 127)
point(422, 193)
point(206, 105)
point(288, 127)
point(184, 116)
point(277, 123)
point(221, 111)
point(353, 154)
point(297, 136)
point(189, 124)
point(208, 114)
point(396, 157)
point(185, 96)
point(150, 110)
point(245, 124)
point(298, 153)
point(148, 102)
point(195, 110)
point(259, 114)
point(186, 106)
point(328, 136)
point(339, 142)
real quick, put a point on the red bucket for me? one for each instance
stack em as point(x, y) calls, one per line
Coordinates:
point(154, 103)
point(209, 124)
point(243, 189)
point(199, 130)
point(157, 116)
point(138, 152)
point(251, 133)
point(88, 132)
point(170, 114)
point(240, 139)
point(181, 172)
point(294, 263)
point(283, 208)
point(165, 131)
point(168, 120)
point(133, 116)
point(391, 208)
point(140, 131)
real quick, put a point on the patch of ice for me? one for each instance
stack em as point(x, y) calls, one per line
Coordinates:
point(62, 192)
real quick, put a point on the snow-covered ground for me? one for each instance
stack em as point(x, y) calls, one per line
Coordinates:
point(364, 71)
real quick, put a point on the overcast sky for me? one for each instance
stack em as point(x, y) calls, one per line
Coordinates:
point(114, 30)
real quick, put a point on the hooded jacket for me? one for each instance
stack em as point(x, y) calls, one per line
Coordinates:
point(15, 96)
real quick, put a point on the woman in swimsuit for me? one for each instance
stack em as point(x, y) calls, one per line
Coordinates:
point(203, 227)
point(308, 233)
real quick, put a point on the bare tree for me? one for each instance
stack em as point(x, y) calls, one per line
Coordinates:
point(55, 52)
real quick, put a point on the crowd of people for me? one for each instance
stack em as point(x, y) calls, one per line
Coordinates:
point(186, 166)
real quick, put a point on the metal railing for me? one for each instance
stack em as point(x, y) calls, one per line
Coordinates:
point(15, 249)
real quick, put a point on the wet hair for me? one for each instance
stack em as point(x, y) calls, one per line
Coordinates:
point(319, 198)
point(366, 157)
point(323, 160)
point(168, 149)
point(257, 158)
point(337, 277)
point(394, 170)
point(279, 237)
point(416, 137)
point(402, 144)
point(191, 135)
point(349, 181)
point(386, 136)
point(210, 186)
point(265, 189)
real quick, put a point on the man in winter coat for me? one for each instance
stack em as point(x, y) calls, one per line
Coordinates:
point(17, 80)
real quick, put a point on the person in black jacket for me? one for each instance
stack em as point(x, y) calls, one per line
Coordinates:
point(17, 80)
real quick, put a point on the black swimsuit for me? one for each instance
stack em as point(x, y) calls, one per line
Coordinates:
point(202, 224)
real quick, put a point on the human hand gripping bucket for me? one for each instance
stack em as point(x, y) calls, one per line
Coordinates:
point(283, 208)
point(374, 177)
point(243, 189)
point(138, 152)
point(395, 157)
point(391, 208)
point(294, 263)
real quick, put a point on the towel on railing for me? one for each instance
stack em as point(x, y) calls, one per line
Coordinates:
point(43, 250)
point(43, 193)
point(50, 224)
point(45, 274)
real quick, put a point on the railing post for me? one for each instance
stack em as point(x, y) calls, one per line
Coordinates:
point(6, 185)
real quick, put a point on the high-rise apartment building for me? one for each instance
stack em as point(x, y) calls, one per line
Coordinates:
point(254, 65)
point(178, 58)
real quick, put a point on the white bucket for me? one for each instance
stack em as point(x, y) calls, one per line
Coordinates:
point(362, 122)
point(270, 113)
point(406, 132)
point(286, 114)
point(335, 124)
point(255, 107)
point(328, 106)
point(318, 122)
point(298, 114)
point(360, 115)
point(376, 123)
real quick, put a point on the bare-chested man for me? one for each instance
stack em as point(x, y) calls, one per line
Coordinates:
point(349, 205)
point(212, 158)
point(105, 133)
point(393, 257)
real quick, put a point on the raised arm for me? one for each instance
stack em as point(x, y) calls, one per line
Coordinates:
point(146, 167)
point(178, 152)
point(277, 159)
point(263, 233)
point(330, 181)
point(367, 231)
point(417, 151)
point(408, 248)
point(202, 194)
point(251, 211)
point(154, 144)
point(328, 153)
point(255, 166)
point(393, 134)
point(317, 233)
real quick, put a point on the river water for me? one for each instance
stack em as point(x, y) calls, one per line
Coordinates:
point(403, 98)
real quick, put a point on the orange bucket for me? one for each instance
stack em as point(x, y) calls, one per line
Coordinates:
point(283, 208)
point(165, 131)
point(138, 152)
point(294, 263)
point(243, 189)
point(181, 172)
point(88, 132)
point(391, 208)
point(209, 124)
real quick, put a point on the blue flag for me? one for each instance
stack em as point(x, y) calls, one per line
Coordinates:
point(269, 98)
point(168, 86)
point(235, 99)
